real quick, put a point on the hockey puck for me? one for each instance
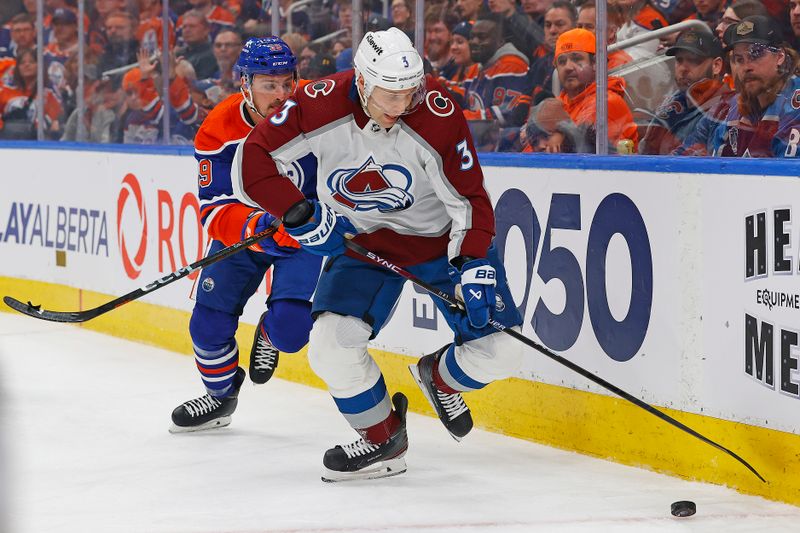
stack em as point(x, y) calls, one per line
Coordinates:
point(683, 509)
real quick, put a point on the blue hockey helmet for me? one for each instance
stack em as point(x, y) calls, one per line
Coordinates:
point(266, 55)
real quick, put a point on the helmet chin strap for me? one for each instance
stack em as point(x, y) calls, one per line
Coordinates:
point(247, 93)
point(362, 97)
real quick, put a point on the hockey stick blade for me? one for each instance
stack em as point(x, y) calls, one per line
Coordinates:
point(74, 317)
point(450, 299)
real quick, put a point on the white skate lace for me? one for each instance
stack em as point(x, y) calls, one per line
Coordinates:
point(358, 448)
point(202, 405)
point(265, 355)
point(453, 404)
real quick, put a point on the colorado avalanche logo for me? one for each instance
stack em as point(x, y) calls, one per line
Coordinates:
point(673, 108)
point(796, 99)
point(372, 186)
point(439, 104)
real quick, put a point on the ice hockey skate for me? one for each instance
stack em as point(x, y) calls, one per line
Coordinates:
point(207, 412)
point(364, 460)
point(450, 408)
point(263, 356)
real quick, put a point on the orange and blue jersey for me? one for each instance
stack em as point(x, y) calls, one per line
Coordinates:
point(218, 19)
point(223, 130)
point(501, 90)
point(143, 126)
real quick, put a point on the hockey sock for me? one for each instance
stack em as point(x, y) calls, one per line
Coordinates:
point(382, 431)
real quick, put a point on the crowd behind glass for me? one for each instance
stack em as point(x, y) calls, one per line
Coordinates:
point(524, 73)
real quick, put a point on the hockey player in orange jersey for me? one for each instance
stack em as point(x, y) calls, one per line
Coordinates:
point(268, 75)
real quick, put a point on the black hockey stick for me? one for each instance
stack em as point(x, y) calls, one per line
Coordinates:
point(541, 349)
point(36, 311)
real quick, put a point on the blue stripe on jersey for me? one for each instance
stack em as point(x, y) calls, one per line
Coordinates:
point(363, 401)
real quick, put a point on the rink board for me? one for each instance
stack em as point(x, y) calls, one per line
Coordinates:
point(677, 286)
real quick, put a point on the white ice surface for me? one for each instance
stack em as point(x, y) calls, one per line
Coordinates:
point(84, 427)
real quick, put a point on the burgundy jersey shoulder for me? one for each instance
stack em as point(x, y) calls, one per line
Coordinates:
point(326, 100)
point(439, 120)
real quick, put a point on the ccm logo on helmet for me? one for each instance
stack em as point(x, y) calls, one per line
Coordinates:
point(374, 45)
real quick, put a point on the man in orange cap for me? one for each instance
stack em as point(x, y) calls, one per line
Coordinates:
point(568, 123)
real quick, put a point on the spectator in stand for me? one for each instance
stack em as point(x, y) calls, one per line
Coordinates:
point(345, 16)
point(403, 16)
point(304, 59)
point(639, 17)
point(561, 17)
point(208, 92)
point(470, 10)
point(764, 118)
point(499, 95)
point(18, 115)
point(22, 31)
point(794, 19)
point(63, 45)
point(149, 32)
point(587, 15)
point(466, 68)
point(122, 46)
point(295, 41)
point(30, 9)
point(439, 24)
point(517, 27)
point(708, 11)
point(227, 47)
point(100, 116)
point(738, 10)
point(535, 10)
point(698, 74)
point(197, 48)
point(321, 66)
point(144, 108)
point(568, 123)
point(216, 17)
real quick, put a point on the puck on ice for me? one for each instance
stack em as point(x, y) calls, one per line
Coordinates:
point(683, 509)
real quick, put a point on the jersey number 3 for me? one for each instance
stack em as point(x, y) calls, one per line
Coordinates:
point(466, 155)
point(204, 173)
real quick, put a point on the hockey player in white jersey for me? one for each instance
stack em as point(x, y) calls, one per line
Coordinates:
point(397, 170)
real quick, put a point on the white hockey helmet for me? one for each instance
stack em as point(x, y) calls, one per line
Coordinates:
point(388, 59)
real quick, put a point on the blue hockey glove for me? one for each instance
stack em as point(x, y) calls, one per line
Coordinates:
point(477, 280)
point(324, 232)
point(279, 244)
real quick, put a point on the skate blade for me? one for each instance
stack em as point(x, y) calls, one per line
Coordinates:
point(392, 467)
point(211, 424)
point(415, 372)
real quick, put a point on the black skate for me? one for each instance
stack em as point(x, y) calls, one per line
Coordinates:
point(207, 412)
point(364, 460)
point(450, 408)
point(263, 357)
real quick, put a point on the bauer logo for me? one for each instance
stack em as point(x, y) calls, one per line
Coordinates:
point(372, 187)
